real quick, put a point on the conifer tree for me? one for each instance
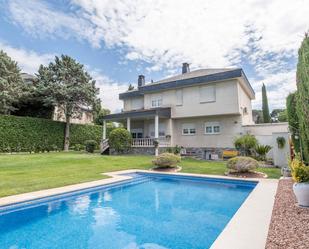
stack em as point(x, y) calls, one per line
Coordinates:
point(265, 108)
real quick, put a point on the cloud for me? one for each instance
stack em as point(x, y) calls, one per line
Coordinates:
point(28, 61)
point(109, 90)
point(261, 33)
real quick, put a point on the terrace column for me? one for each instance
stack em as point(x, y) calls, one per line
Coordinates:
point(156, 127)
point(128, 124)
point(157, 134)
point(104, 129)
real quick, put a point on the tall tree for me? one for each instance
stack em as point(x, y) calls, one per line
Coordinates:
point(265, 108)
point(302, 78)
point(67, 85)
point(11, 84)
point(293, 119)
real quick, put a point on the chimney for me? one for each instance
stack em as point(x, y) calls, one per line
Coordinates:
point(185, 68)
point(141, 81)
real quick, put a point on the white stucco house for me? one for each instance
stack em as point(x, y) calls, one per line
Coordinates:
point(203, 111)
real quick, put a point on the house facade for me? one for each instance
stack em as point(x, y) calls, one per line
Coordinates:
point(203, 111)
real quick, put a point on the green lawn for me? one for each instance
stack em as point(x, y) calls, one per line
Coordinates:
point(25, 173)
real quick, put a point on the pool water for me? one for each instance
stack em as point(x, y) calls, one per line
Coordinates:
point(150, 212)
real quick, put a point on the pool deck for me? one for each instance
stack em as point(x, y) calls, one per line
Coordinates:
point(247, 229)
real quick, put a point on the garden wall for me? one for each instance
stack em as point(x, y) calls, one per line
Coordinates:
point(36, 134)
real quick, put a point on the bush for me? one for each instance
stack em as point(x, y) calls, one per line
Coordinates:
point(166, 160)
point(90, 145)
point(262, 150)
point(300, 172)
point(241, 164)
point(175, 150)
point(38, 135)
point(246, 144)
point(78, 147)
point(120, 140)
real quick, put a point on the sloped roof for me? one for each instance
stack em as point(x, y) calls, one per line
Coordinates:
point(197, 77)
point(195, 73)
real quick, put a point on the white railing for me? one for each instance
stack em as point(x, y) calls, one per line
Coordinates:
point(149, 142)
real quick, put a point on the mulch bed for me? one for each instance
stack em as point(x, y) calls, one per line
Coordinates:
point(167, 169)
point(253, 174)
point(289, 227)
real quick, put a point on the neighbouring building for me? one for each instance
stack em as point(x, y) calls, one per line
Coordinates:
point(203, 111)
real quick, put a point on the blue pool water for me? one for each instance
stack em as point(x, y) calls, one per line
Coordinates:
point(148, 212)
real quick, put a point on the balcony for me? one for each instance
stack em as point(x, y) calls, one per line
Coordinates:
point(149, 142)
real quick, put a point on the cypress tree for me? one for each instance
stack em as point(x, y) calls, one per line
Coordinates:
point(302, 100)
point(265, 108)
point(293, 120)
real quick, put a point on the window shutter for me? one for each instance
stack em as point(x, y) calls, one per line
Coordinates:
point(207, 94)
point(179, 97)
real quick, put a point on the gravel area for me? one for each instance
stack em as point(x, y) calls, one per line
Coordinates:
point(289, 226)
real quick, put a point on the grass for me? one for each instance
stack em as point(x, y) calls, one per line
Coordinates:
point(22, 173)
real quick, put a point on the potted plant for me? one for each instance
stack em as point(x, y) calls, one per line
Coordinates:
point(300, 174)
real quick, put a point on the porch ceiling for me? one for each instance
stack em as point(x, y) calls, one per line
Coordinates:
point(164, 112)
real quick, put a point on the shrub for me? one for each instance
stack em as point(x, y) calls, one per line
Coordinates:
point(176, 150)
point(37, 135)
point(280, 142)
point(90, 145)
point(78, 147)
point(246, 144)
point(120, 140)
point(262, 150)
point(242, 164)
point(166, 160)
point(300, 172)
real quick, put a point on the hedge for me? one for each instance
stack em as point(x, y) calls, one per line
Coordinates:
point(36, 134)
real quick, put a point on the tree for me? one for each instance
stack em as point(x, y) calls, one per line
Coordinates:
point(67, 85)
point(302, 96)
point(131, 87)
point(293, 120)
point(265, 108)
point(99, 117)
point(11, 84)
point(278, 115)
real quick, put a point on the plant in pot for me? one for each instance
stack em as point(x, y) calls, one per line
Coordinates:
point(300, 174)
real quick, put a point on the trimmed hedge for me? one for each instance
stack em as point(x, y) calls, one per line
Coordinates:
point(36, 134)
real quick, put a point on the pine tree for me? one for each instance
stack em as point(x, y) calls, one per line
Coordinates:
point(65, 84)
point(302, 100)
point(293, 119)
point(11, 84)
point(265, 108)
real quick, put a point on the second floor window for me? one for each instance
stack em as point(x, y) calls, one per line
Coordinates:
point(207, 94)
point(156, 102)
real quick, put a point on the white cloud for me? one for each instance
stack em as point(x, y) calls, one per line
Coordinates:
point(109, 90)
point(166, 33)
point(28, 61)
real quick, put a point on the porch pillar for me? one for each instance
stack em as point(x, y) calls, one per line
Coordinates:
point(156, 127)
point(157, 134)
point(104, 129)
point(128, 124)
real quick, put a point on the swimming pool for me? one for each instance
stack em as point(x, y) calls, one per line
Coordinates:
point(151, 211)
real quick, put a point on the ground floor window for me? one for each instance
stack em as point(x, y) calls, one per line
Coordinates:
point(212, 128)
point(188, 129)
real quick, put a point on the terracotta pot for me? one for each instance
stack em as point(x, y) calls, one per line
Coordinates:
point(301, 190)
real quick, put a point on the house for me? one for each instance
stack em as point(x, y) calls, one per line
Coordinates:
point(85, 115)
point(203, 111)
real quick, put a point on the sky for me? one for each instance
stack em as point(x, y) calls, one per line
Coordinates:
point(118, 40)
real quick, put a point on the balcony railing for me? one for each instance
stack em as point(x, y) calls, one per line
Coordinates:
point(149, 142)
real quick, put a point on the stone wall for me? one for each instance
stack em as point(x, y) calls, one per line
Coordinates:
point(197, 152)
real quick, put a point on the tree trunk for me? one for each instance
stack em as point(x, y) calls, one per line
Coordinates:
point(67, 134)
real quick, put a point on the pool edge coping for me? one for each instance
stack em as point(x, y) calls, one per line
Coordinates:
point(248, 226)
